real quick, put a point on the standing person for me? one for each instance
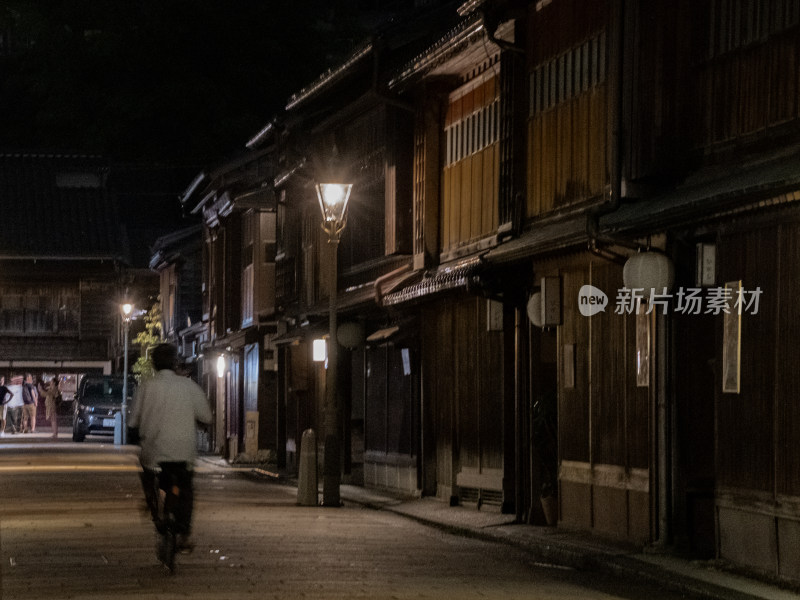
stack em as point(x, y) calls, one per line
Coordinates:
point(15, 404)
point(51, 396)
point(165, 412)
point(30, 400)
point(5, 396)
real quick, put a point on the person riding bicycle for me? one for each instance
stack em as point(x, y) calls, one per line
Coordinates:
point(166, 409)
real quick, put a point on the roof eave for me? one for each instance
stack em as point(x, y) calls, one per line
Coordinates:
point(330, 77)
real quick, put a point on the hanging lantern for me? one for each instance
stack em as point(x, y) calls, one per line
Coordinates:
point(534, 309)
point(350, 334)
point(649, 271)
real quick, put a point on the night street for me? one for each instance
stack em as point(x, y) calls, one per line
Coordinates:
point(72, 527)
point(528, 271)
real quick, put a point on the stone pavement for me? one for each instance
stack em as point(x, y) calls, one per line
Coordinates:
point(704, 579)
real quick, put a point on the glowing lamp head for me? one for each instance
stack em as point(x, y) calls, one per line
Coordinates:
point(220, 366)
point(333, 198)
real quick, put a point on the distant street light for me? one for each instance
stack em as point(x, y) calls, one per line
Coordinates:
point(127, 310)
point(333, 198)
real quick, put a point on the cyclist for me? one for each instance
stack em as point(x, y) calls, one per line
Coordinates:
point(166, 409)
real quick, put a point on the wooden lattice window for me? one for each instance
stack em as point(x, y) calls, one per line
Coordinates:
point(568, 75)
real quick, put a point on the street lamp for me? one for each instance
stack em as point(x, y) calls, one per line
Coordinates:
point(127, 311)
point(333, 199)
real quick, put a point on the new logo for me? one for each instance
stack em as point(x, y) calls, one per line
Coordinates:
point(591, 300)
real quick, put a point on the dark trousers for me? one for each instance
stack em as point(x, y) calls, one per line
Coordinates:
point(176, 481)
point(14, 417)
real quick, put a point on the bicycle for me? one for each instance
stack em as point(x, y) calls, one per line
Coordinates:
point(166, 494)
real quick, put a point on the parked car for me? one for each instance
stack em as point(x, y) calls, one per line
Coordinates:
point(97, 402)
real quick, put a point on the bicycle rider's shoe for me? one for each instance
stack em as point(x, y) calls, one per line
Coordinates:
point(161, 526)
point(185, 544)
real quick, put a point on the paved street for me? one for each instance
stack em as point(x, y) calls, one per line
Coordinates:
point(73, 527)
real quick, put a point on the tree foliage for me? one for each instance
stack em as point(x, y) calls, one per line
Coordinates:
point(150, 337)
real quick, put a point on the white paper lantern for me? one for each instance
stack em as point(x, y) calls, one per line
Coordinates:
point(534, 309)
point(350, 334)
point(649, 271)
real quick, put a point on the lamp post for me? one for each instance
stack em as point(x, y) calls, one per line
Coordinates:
point(333, 199)
point(127, 310)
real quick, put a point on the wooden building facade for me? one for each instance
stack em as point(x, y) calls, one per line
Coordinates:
point(238, 302)
point(507, 152)
point(65, 268)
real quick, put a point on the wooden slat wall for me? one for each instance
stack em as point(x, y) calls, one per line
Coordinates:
point(559, 25)
point(656, 98)
point(438, 392)
point(608, 368)
point(605, 407)
point(465, 383)
point(366, 141)
point(787, 357)
point(568, 128)
point(96, 313)
point(400, 409)
point(428, 178)
point(745, 427)
point(375, 417)
point(637, 399)
point(389, 403)
point(465, 367)
point(573, 403)
point(748, 90)
point(421, 158)
point(758, 437)
point(470, 190)
point(477, 367)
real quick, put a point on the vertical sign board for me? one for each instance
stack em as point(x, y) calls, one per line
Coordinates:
point(705, 270)
point(732, 340)
point(494, 315)
point(551, 301)
point(642, 346)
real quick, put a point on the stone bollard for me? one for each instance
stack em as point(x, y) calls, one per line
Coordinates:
point(118, 429)
point(307, 476)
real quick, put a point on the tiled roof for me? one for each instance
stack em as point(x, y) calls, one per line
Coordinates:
point(57, 206)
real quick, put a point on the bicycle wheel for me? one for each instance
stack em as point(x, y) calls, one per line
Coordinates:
point(165, 525)
point(167, 548)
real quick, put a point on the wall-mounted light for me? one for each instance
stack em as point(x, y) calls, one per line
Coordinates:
point(544, 306)
point(534, 309)
point(648, 271)
point(221, 366)
point(351, 334)
point(320, 350)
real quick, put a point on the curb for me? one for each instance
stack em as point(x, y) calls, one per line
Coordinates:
point(567, 555)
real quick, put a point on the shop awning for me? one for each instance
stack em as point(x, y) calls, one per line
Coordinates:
point(446, 277)
point(383, 334)
point(711, 192)
point(287, 339)
point(301, 333)
point(543, 238)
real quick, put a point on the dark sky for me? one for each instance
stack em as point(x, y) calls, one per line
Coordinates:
point(176, 81)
